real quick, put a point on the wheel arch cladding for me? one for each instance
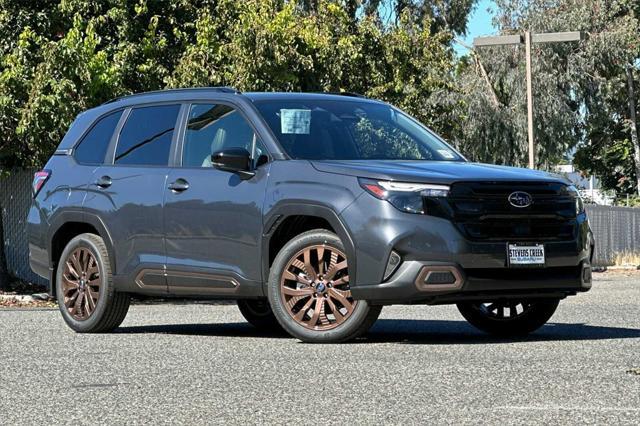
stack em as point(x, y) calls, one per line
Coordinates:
point(66, 226)
point(291, 219)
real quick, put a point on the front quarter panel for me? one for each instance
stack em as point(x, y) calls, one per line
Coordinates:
point(296, 188)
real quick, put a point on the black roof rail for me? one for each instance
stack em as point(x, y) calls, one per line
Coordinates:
point(221, 89)
point(350, 94)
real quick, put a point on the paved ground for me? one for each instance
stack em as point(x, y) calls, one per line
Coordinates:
point(203, 364)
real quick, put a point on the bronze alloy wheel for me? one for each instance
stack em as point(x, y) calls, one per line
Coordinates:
point(315, 288)
point(81, 283)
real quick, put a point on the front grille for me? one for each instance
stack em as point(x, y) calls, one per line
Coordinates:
point(482, 212)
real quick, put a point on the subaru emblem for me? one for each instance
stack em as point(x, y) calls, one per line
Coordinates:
point(520, 199)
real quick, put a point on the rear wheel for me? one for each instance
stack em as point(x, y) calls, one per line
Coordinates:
point(84, 287)
point(258, 313)
point(310, 293)
point(508, 317)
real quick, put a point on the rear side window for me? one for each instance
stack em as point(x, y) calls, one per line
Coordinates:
point(145, 139)
point(93, 146)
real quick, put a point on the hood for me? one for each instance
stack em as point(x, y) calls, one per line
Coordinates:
point(444, 172)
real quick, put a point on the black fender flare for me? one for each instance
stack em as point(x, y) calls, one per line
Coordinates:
point(77, 215)
point(287, 209)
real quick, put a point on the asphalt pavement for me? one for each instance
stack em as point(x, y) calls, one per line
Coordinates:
point(202, 364)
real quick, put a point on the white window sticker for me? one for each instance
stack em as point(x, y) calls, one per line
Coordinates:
point(445, 153)
point(295, 121)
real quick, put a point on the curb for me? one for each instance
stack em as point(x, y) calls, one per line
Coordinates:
point(623, 268)
point(25, 298)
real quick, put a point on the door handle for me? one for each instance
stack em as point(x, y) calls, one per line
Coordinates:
point(104, 182)
point(179, 185)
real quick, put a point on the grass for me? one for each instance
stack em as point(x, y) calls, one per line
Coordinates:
point(627, 258)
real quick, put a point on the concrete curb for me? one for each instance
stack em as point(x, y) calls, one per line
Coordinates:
point(25, 298)
point(16, 297)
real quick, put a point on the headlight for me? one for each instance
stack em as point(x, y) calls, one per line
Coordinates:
point(579, 203)
point(405, 196)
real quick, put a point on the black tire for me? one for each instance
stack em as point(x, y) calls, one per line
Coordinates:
point(111, 307)
point(354, 323)
point(258, 313)
point(492, 318)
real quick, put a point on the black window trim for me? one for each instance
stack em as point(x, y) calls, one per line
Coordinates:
point(90, 128)
point(111, 152)
point(213, 101)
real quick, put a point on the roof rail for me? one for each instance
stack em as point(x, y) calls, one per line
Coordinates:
point(221, 89)
point(350, 94)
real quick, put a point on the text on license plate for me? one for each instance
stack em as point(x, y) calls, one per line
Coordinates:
point(526, 255)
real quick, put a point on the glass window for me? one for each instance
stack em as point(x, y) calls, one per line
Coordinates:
point(93, 146)
point(212, 128)
point(314, 129)
point(146, 137)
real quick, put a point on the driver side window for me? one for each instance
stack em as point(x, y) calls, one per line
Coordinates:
point(212, 128)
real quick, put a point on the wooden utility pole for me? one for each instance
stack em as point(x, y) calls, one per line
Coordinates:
point(528, 41)
point(527, 44)
point(634, 125)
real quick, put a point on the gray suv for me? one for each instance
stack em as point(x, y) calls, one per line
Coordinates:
point(311, 210)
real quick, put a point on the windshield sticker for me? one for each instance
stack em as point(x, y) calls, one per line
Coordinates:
point(295, 121)
point(446, 154)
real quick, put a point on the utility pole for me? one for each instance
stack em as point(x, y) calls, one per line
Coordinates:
point(634, 125)
point(527, 44)
point(528, 39)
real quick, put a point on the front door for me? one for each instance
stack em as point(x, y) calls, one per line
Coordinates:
point(213, 218)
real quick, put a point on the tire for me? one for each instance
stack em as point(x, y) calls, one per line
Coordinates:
point(529, 316)
point(309, 291)
point(258, 313)
point(88, 253)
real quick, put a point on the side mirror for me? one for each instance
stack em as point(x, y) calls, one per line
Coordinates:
point(235, 160)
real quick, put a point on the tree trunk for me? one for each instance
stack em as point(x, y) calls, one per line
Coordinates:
point(4, 274)
point(634, 126)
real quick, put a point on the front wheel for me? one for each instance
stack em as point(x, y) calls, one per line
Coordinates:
point(310, 294)
point(508, 317)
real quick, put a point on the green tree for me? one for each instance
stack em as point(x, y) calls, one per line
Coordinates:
point(60, 57)
point(580, 89)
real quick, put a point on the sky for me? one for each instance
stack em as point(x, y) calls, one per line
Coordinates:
point(479, 24)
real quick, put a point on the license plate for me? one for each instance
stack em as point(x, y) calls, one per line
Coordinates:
point(520, 254)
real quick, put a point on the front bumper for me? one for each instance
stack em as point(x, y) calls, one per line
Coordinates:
point(377, 228)
point(411, 284)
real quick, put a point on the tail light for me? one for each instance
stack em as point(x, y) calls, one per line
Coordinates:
point(39, 179)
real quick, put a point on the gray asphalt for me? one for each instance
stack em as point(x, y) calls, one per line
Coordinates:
point(201, 364)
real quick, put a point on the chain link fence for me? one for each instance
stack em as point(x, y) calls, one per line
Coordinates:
point(15, 200)
point(616, 229)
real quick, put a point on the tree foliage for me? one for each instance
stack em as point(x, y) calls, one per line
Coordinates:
point(580, 89)
point(58, 58)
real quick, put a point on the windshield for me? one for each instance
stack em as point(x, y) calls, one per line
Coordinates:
point(313, 129)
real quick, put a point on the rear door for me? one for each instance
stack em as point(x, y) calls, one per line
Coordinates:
point(213, 218)
point(127, 194)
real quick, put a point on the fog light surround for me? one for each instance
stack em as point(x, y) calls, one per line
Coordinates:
point(393, 263)
point(432, 278)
